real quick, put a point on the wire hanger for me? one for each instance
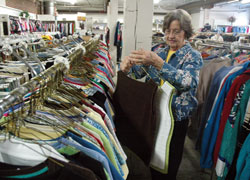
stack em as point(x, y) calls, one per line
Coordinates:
point(8, 50)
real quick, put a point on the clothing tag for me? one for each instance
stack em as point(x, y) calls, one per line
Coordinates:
point(167, 87)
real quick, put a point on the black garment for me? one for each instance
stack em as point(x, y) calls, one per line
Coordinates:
point(176, 151)
point(99, 99)
point(64, 171)
point(119, 53)
point(158, 34)
point(83, 160)
point(229, 38)
point(202, 37)
point(135, 120)
point(207, 26)
point(118, 41)
point(5, 28)
point(137, 169)
point(107, 37)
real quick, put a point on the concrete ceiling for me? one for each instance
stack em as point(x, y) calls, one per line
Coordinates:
point(100, 6)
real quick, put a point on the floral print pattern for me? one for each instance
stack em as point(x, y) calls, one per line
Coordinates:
point(182, 71)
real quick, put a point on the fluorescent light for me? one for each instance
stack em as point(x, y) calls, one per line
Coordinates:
point(72, 1)
point(81, 14)
point(232, 1)
point(245, 1)
point(156, 1)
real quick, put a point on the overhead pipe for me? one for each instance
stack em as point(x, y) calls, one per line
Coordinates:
point(49, 7)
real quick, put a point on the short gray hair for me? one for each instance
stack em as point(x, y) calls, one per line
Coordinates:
point(183, 17)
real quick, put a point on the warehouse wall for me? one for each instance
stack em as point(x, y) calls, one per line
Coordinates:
point(221, 18)
point(14, 12)
point(25, 5)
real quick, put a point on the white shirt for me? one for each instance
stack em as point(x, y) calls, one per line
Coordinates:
point(217, 37)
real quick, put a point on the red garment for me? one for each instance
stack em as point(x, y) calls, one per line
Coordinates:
point(95, 109)
point(31, 30)
point(237, 83)
point(230, 29)
point(110, 80)
point(90, 134)
point(107, 66)
point(103, 44)
point(102, 57)
point(79, 84)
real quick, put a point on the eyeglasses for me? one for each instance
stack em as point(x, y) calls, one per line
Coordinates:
point(175, 32)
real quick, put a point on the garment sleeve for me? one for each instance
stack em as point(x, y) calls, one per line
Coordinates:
point(137, 71)
point(187, 77)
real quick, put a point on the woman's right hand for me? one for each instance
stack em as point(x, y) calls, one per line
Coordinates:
point(126, 64)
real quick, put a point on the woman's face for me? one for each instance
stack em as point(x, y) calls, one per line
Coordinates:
point(175, 36)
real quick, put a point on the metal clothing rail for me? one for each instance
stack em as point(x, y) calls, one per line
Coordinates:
point(232, 46)
point(218, 46)
point(17, 94)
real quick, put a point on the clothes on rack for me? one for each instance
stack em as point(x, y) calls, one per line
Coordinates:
point(18, 25)
point(118, 40)
point(218, 122)
point(232, 130)
point(242, 166)
point(223, 114)
point(234, 29)
point(66, 28)
point(49, 27)
point(76, 121)
point(207, 73)
point(14, 72)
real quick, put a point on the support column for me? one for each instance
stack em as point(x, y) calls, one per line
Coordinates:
point(202, 18)
point(112, 21)
point(3, 2)
point(248, 13)
point(206, 16)
point(138, 23)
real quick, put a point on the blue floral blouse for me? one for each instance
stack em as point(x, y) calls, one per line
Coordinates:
point(182, 71)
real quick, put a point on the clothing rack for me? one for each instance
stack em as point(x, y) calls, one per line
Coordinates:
point(221, 46)
point(17, 94)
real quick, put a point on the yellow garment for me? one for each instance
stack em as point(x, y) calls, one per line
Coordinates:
point(47, 37)
point(170, 53)
point(97, 118)
point(36, 131)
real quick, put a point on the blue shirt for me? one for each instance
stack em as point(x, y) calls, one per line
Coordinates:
point(182, 71)
point(61, 142)
point(215, 84)
point(115, 173)
point(213, 123)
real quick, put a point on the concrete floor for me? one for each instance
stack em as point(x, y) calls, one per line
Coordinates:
point(190, 165)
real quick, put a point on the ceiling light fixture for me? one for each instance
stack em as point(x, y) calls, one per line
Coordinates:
point(156, 1)
point(72, 1)
point(245, 1)
point(232, 1)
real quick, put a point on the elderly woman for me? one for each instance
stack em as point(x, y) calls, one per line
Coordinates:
point(178, 63)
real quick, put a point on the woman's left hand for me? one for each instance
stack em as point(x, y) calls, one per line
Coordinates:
point(143, 57)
